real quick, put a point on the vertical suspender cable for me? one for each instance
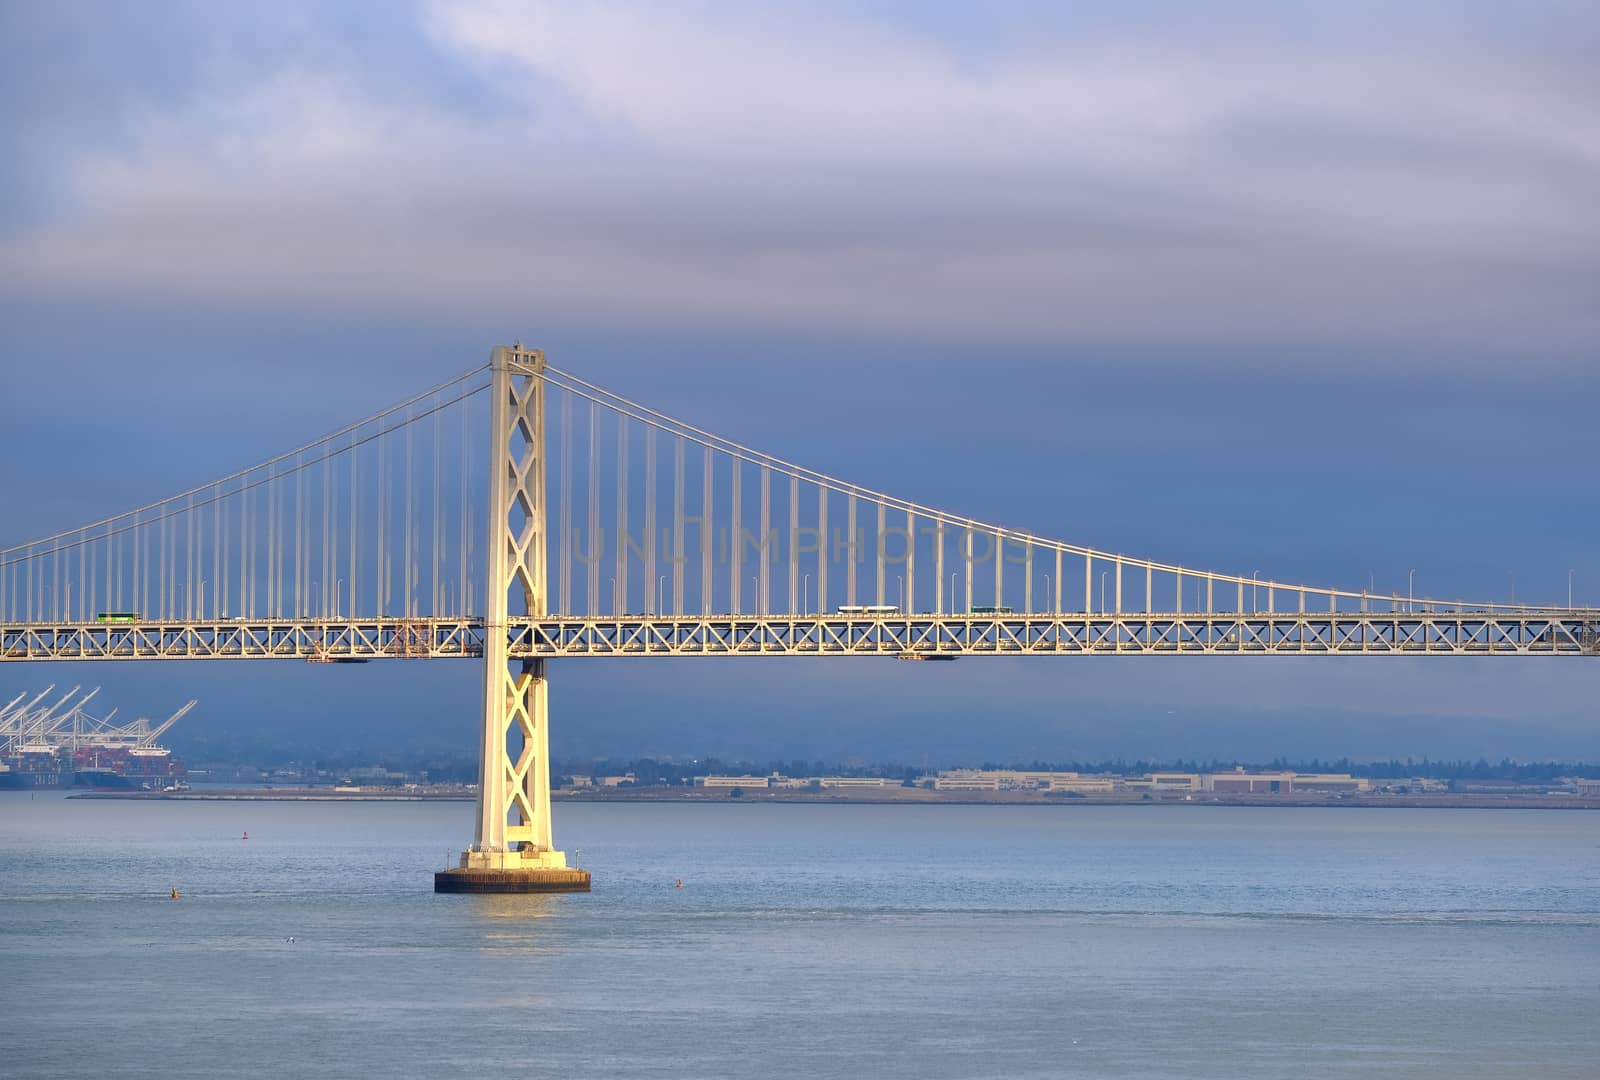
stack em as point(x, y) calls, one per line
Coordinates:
point(330, 539)
point(467, 545)
point(1027, 576)
point(383, 527)
point(735, 585)
point(879, 552)
point(651, 581)
point(791, 543)
point(851, 552)
point(279, 540)
point(999, 569)
point(436, 577)
point(461, 535)
point(967, 584)
point(247, 566)
point(269, 604)
point(592, 550)
point(763, 551)
point(261, 553)
point(165, 611)
point(620, 580)
point(824, 550)
point(911, 562)
point(565, 544)
point(201, 529)
point(707, 535)
point(299, 535)
point(225, 558)
point(677, 526)
point(407, 589)
point(355, 501)
point(194, 537)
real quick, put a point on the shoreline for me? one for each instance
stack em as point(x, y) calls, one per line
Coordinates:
point(881, 797)
point(280, 795)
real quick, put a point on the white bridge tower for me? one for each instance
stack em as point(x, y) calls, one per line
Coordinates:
point(514, 850)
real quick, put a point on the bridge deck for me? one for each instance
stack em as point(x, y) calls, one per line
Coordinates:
point(1531, 633)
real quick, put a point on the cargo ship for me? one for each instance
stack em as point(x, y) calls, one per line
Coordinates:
point(45, 746)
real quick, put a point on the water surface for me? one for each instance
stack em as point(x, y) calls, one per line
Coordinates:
point(817, 941)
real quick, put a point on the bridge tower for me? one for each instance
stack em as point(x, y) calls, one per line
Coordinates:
point(514, 850)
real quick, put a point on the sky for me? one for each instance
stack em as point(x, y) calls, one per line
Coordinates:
point(1303, 288)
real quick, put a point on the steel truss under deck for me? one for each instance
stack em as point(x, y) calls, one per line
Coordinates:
point(253, 639)
point(1531, 633)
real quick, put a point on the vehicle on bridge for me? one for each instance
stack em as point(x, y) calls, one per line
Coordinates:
point(116, 616)
point(868, 609)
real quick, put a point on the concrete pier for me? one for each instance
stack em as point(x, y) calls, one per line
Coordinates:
point(526, 870)
point(563, 879)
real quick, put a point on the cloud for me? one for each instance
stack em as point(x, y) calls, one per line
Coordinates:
point(795, 167)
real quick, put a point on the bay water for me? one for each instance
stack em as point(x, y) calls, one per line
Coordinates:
point(806, 940)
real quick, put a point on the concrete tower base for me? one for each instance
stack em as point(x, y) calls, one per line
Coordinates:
point(512, 872)
point(564, 879)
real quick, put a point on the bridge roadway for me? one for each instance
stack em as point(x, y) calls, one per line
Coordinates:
point(1526, 632)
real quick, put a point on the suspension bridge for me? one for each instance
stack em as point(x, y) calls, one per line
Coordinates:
point(608, 529)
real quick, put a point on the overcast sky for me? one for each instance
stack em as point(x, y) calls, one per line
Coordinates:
point(1304, 288)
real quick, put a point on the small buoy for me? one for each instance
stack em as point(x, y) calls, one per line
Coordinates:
point(174, 894)
point(247, 834)
point(680, 883)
